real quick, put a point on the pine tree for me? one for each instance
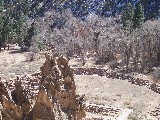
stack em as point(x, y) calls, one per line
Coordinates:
point(28, 38)
point(127, 16)
point(138, 16)
point(1, 24)
point(5, 24)
point(12, 16)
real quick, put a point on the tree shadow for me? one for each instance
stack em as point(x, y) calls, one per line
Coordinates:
point(16, 51)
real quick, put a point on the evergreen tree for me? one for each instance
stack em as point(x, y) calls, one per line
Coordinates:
point(20, 28)
point(12, 16)
point(138, 15)
point(28, 38)
point(127, 16)
point(5, 24)
point(1, 24)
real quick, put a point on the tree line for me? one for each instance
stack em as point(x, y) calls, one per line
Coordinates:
point(14, 23)
point(127, 35)
point(18, 17)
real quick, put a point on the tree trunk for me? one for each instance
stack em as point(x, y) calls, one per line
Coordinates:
point(8, 46)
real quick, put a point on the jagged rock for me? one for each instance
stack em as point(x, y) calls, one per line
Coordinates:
point(3, 91)
point(19, 95)
point(60, 83)
point(10, 110)
point(43, 108)
point(57, 82)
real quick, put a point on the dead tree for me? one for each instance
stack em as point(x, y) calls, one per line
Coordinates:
point(96, 41)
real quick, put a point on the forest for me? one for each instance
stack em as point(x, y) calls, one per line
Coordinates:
point(109, 28)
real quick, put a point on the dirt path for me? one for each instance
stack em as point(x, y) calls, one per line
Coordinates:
point(7, 58)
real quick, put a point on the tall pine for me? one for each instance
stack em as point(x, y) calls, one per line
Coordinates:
point(138, 15)
point(127, 16)
point(1, 23)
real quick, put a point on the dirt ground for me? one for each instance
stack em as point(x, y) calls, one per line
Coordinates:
point(16, 63)
point(98, 90)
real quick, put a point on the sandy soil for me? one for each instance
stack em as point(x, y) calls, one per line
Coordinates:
point(117, 93)
point(98, 90)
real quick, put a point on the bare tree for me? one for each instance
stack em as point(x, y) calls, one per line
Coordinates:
point(104, 38)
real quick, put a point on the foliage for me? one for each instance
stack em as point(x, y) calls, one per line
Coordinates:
point(138, 15)
point(127, 16)
point(60, 30)
point(26, 43)
point(12, 22)
point(19, 12)
point(3, 22)
point(82, 8)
